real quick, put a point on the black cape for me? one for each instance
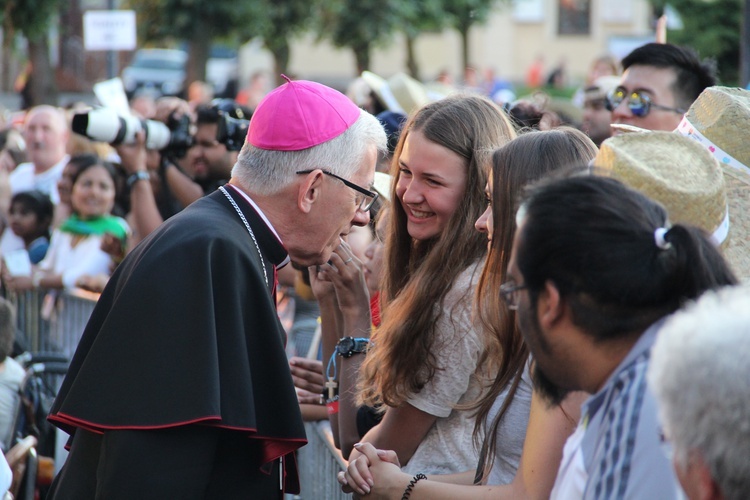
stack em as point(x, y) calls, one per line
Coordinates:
point(186, 333)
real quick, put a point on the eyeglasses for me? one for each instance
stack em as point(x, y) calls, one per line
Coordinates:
point(639, 104)
point(365, 198)
point(508, 293)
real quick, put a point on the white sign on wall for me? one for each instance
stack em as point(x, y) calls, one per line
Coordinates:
point(109, 30)
point(528, 11)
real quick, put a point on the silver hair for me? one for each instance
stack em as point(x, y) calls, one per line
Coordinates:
point(700, 374)
point(267, 172)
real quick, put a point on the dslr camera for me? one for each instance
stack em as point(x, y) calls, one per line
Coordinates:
point(231, 132)
point(105, 125)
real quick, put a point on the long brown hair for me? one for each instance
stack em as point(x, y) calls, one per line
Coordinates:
point(524, 160)
point(418, 274)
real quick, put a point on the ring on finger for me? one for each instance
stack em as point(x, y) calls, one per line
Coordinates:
point(348, 260)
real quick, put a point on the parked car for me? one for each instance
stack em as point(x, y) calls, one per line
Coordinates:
point(162, 71)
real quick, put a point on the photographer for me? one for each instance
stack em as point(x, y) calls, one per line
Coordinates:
point(212, 159)
point(169, 188)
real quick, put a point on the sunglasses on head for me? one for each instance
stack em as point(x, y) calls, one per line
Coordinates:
point(639, 103)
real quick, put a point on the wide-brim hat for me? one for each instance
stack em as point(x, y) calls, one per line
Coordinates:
point(410, 93)
point(382, 91)
point(684, 177)
point(719, 120)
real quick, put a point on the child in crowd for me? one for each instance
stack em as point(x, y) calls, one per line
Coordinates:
point(29, 218)
point(75, 253)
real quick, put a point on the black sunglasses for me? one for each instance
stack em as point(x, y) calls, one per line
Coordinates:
point(366, 197)
point(639, 103)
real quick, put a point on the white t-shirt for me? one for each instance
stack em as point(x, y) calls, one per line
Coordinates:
point(24, 178)
point(86, 258)
point(448, 446)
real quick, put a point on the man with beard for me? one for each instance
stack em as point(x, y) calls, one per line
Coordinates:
point(594, 272)
point(213, 162)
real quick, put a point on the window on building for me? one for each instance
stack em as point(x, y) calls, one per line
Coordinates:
point(574, 17)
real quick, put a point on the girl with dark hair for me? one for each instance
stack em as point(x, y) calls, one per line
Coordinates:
point(425, 358)
point(75, 250)
point(29, 217)
point(503, 412)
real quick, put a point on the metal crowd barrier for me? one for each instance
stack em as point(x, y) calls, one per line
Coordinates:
point(53, 320)
point(319, 461)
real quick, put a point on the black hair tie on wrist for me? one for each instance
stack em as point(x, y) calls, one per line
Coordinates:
point(415, 480)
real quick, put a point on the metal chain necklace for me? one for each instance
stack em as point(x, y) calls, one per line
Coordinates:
point(252, 235)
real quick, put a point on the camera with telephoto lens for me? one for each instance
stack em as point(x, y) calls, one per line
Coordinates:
point(231, 132)
point(105, 125)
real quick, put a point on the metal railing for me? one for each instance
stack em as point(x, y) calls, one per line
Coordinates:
point(53, 320)
point(319, 462)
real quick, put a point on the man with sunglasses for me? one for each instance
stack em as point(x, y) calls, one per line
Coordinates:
point(658, 85)
point(181, 387)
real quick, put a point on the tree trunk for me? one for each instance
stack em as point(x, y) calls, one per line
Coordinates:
point(464, 30)
point(43, 85)
point(362, 56)
point(198, 50)
point(411, 58)
point(744, 75)
point(281, 54)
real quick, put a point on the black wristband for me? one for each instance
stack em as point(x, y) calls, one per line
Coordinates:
point(414, 480)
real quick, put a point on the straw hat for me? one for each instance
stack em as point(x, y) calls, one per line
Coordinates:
point(672, 170)
point(382, 90)
point(719, 120)
point(410, 94)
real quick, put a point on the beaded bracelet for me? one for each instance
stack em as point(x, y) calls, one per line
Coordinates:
point(415, 480)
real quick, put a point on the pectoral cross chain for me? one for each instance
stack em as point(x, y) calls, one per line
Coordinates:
point(331, 385)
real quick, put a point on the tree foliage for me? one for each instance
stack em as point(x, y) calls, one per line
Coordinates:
point(712, 27)
point(199, 22)
point(464, 14)
point(277, 22)
point(359, 25)
point(418, 17)
point(32, 19)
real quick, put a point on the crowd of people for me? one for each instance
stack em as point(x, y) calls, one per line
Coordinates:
point(492, 299)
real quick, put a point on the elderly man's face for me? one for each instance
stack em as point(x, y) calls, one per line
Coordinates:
point(46, 135)
point(656, 83)
point(333, 217)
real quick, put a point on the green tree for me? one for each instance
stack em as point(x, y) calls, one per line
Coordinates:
point(464, 14)
point(277, 22)
point(32, 18)
point(712, 27)
point(418, 17)
point(198, 22)
point(359, 25)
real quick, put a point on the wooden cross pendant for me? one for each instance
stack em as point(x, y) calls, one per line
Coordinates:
point(332, 385)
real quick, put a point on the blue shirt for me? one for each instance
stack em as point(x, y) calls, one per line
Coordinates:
point(621, 446)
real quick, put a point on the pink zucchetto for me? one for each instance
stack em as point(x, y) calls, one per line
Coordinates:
point(299, 115)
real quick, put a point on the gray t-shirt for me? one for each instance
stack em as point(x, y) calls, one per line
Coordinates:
point(448, 446)
point(511, 432)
